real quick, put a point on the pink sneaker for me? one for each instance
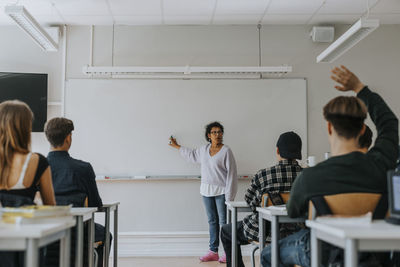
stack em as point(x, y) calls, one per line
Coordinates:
point(210, 256)
point(222, 259)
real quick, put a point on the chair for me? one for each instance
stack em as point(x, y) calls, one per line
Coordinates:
point(345, 204)
point(265, 202)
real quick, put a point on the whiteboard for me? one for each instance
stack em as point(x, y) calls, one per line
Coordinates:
point(122, 126)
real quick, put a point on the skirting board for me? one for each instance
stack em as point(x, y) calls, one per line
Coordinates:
point(173, 244)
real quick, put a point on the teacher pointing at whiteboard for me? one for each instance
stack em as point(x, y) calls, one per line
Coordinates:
point(218, 181)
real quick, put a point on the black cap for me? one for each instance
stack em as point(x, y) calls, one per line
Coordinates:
point(289, 145)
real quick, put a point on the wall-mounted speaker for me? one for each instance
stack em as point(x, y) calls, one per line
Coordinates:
point(324, 34)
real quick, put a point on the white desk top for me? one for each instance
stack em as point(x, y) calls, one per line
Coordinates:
point(236, 204)
point(271, 211)
point(378, 229)
point(33, 230)
point(86, 213)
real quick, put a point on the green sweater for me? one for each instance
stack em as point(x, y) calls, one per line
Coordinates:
point(353, 172)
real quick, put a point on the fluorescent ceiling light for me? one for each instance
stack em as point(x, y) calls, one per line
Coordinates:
point(29, 25)
point(350, 38)
point(185, 72)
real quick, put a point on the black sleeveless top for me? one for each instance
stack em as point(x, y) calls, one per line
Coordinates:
point(25, 196)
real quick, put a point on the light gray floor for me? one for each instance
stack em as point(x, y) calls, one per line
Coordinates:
point(172, 262)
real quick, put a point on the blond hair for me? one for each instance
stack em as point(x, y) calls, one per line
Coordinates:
point(15, 134)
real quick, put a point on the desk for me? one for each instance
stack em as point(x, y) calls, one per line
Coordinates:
point(276, 217)
point(107, 209)
point(377, 236)
point(233, 207)
point(82, 215)
point(31, 237)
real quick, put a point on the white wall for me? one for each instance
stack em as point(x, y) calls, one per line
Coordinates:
point(376, 60)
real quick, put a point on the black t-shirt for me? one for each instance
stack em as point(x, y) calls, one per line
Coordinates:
point(26, 195)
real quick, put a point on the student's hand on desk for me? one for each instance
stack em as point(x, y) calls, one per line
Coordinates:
point(348, 80)
point(173, 143)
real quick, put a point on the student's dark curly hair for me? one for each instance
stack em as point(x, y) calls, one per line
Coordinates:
point(365, 140)
point(210, 126)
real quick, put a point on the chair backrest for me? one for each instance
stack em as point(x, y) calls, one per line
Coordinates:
point(346, 204)
point(266, 200)
point(76, 199)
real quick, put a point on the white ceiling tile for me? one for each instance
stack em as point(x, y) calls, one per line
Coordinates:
point(38, 7)
point(346, 6)
point(387, 6)
point(229, 7)
point(328, 19)
point(294, 6)
point(135, 7)
point(82, 7)
point(286, 19)
point(188, 7)
point(138, 20)
point(187, 20)
point(88, 20)
point(238, 19)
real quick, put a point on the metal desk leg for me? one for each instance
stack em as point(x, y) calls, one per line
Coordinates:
point(32, 253)
point(91, 242)
point(228, 216)
point(315, 249)
point(261, 234)
point(274, 241)
point(106, 254)
point(65, 246)
point(234, 240)
point(79, 242)
point(351, 255)
point(116, 236)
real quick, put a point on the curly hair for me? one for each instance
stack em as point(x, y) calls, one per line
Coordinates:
point(210, 126)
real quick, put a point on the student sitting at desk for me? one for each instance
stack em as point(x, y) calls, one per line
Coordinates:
point(72, 176)
point(22, 173)
point(348, 170)
point(274, 180)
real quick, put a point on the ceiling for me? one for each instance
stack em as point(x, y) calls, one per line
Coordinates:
point(205, 12)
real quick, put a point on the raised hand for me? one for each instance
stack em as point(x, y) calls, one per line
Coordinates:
point(348, 81)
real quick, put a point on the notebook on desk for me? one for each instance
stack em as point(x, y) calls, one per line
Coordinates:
point(394, 197)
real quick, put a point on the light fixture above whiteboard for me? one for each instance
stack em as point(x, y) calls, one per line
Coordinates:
point(361, 29)
point(186, 72)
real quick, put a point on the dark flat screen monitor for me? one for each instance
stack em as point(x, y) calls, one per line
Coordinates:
point(30, 88)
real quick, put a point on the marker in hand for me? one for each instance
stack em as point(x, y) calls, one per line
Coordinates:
point(173, 143)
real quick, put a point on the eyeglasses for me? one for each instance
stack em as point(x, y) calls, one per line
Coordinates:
point(216, 132)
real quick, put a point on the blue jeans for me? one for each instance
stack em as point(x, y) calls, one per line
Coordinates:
point(216, 213)
point(294, 249)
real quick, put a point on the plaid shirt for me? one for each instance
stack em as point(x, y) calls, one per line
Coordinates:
point(276, 179)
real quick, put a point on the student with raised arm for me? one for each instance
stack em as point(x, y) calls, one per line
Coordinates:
point(348, 170)
point(218, 181)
